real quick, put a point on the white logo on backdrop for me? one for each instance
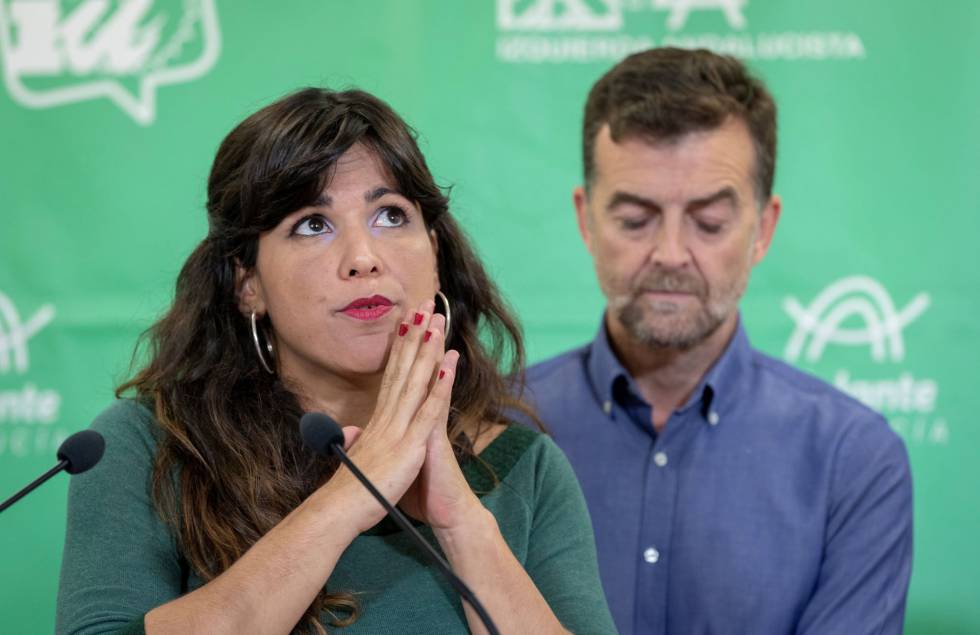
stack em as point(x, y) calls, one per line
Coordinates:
point(908, 401)
point(55, 55)
point(26, 412)
point(555, 31)
point(854, 297)
point(680, 9)
point(558, 15)
point(14, 334)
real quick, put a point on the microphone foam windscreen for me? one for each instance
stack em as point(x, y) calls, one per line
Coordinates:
point(320, 432)
point(82, 450)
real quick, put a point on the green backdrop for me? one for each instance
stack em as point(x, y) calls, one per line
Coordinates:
point(111, 112)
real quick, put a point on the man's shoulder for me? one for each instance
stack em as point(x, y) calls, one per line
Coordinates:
point(559, 386)
point(796, 380)
point(820, 402)
point(558, 369)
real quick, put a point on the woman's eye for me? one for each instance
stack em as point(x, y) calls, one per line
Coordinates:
point(311, 226)
point(391, 217)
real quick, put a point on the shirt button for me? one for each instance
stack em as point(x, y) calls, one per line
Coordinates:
point(660, 459)
point(651, 555)
point(607, 407)
point(713, 418)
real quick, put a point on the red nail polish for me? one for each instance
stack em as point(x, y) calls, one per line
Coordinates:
point(402, 329)
point(442, 374)
point(418, 319)
point(428, 334)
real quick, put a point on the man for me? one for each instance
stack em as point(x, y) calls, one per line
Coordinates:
point(729, 492)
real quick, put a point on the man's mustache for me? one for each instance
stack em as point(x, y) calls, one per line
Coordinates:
point(671, 282)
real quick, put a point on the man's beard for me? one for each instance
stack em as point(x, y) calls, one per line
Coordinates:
point(663, 324)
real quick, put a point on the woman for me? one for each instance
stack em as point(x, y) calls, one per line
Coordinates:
point(315, 290)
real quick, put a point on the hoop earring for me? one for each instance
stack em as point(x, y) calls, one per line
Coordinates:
point(448, 311)
point(258, 346)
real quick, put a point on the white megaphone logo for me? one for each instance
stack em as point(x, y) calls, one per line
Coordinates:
point(56, 52)
point(856, 296)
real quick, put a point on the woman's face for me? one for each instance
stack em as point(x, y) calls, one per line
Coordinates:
point(337, 277)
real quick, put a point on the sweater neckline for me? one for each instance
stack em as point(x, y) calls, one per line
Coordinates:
point(483, 472)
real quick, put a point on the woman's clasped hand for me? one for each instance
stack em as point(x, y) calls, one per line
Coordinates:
point(404, 449)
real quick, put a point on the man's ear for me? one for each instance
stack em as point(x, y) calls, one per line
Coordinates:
point(581, 200)
point(768, 219)
point(248, 287)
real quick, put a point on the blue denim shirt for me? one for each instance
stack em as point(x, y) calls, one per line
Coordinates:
point(770, 503)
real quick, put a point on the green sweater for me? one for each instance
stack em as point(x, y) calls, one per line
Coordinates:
point(121, 560)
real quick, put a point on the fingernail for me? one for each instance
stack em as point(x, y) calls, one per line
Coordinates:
point(402, 329)
point(442, 374)
point(427, 335)
point(418, 319)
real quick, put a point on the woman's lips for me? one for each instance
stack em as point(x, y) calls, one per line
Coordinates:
point(368, 314)
point(368, 309)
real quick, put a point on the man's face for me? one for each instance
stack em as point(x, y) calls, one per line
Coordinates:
point(674, 229)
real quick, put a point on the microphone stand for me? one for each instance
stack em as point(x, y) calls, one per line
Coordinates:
point(460, 586)
point(32, 486)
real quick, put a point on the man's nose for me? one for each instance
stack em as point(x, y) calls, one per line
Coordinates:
point(670, 248)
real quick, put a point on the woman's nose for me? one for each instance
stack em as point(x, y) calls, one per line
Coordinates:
point(360, 255)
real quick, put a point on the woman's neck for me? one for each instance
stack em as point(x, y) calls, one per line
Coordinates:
point(349, 400)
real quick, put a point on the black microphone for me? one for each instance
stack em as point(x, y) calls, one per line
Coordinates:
point(325, 437)
point(78, 453)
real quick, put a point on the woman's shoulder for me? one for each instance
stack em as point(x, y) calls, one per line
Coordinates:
point(522, 441)
point(129, 426)
point(518, 455)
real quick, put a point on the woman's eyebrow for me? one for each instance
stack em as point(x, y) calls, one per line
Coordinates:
point(373, 195)
point(324, 200)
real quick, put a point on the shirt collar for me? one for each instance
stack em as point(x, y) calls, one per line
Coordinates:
point(604, 367)
point(718, 388)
